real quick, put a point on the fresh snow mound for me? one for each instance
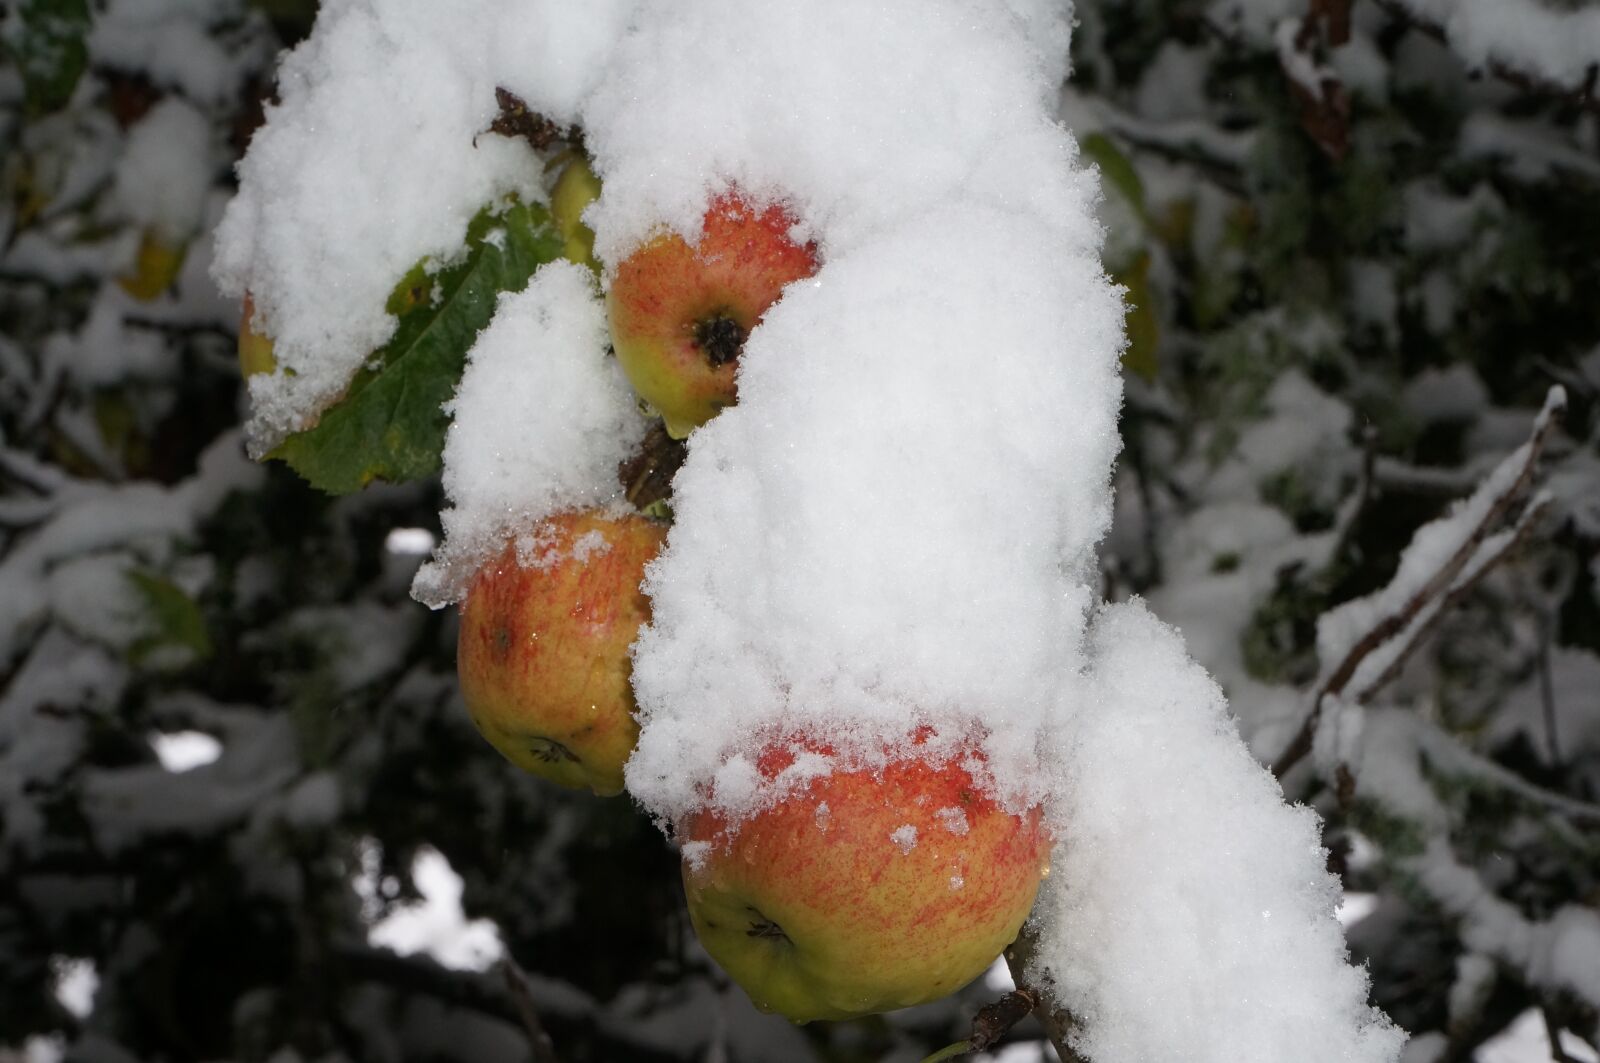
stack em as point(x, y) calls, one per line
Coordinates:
point(918, 463)
point(848, 561)
point(551, 419)
point(1189, 913)
point(861, 116)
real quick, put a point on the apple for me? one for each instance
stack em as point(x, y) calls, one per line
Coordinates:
point(574, 190)
point(680, 313)
point(865, 891)
point(542, 654)
point(255, 349)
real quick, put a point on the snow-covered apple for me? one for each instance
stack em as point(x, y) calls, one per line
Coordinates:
point(680, 312)
point(543, 649)
point(866, 890)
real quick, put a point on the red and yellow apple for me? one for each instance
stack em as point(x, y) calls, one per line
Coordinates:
point(864, 892)
point(680, 312)
point(543, 650)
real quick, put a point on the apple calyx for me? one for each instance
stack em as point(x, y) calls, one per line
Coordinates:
point(720, 337)
point(681, 314)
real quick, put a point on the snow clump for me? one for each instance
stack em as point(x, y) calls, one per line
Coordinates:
point(551, 418)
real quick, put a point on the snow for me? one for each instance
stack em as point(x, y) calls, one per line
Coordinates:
point(1527, 1040)
point(417, 542)
point(94, 517)
point(181, 751)
point(1183, 878)
point(1300, 66)
point(435, 925)
point(1475, 979)
point(544, 418)
point(1531, 37)
point(165, 172)
point(1560, 954)
point(167, 41)
point(76, 982)
point(1173, 86)
point(1455, 393)
point(1355, 907)
point(1574, 678)
point(904, 838)
point(1526, 35)
point(807, 527)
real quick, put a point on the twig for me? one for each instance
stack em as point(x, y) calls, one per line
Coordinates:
point(1319, 95)
point(992, 1022)
point(1444, 748)
point(1452, 579)
point(1547, 695)
point(1394, 475)
point(544, 1050)
point(516, 119)
point(1489, 554)
point(1221, 155)
point(1058, 1023)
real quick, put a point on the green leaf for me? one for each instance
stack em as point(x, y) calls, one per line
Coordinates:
point(1115, 167)
point(389, 424)
point(175, 619)
point(47, 41)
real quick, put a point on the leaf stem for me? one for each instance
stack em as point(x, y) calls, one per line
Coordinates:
point(960, 1048)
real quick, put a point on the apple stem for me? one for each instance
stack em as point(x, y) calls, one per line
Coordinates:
point(960, 1048)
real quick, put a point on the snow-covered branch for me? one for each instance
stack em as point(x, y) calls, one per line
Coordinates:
point(1528, 43)
point(1363, 642)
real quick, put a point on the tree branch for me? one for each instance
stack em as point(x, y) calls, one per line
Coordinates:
point(1581, 95)
point(544, 1049)
point(1058, 1023)
point(1399, 631)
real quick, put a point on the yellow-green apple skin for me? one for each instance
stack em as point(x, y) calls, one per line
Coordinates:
point(867, 891)
point(574, 190)
point(542, 654)
point(255, 349)
point(680, 313)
